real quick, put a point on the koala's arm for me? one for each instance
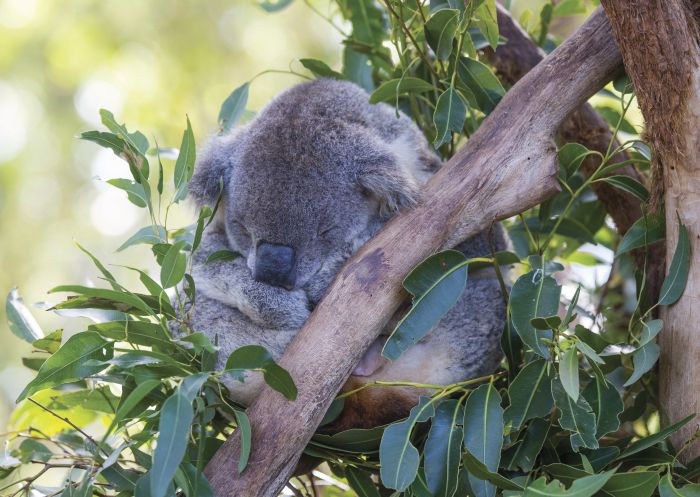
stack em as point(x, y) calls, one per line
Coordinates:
point(232, 283)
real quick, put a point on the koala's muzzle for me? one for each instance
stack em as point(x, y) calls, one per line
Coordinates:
point(274, 265)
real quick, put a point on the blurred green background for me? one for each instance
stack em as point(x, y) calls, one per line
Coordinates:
point(151, 63)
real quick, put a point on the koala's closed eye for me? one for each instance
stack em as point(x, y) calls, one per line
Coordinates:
point(327, 231)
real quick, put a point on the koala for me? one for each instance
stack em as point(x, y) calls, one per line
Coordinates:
point(307, 182)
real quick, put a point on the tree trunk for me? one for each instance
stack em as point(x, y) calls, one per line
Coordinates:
point(507, 166)
point(659, 40)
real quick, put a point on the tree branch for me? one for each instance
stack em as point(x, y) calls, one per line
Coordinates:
point(507, 166)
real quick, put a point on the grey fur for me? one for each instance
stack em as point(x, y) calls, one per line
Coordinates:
point(320, 170)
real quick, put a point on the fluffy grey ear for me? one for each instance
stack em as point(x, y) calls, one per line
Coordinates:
point(390, 184)
point(213, 168)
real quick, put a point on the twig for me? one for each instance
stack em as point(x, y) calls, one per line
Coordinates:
point(69, 422)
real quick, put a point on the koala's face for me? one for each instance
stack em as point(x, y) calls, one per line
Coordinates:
point(296, 222)
point(303, 188)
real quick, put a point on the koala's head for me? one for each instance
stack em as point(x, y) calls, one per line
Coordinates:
point(301, 193)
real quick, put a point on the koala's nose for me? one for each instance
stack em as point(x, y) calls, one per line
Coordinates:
point(274, 265)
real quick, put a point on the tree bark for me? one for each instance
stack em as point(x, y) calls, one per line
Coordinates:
point(515, 58)
point(660, 45)
point(507, 166)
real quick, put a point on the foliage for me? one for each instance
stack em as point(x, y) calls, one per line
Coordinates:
point(572, 410)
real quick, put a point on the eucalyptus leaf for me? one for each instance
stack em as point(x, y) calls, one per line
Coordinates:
point(449, 116)
point(320, 69)
point(643, 359)
point(70, 362)
point(675, 281)
point(645, 231)
point(652, 440)
point(173, 267)
point(440, 31)
point(530, 394)
point(629, 185)
point(568, 372)
point(534, 295)
point(442, 449)
point(577, 417)
point(483, 434)
point(21, 322)
point(436, 284)
point(173, 431)
point(233, 107)
point(391, 90)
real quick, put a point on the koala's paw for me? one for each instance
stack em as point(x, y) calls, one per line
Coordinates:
point(274, 307)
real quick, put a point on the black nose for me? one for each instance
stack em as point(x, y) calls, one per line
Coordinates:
point(274, 265)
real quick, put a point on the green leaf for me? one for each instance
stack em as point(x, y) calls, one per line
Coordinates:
point(440, 32)
point(546, 323)
point(256, 357)
point(369, 26)
point(534, 295)
point(136, 332)
point(613, 117)
point(33, 450)
point(630, 185)
point(479, 470)
point(577, 417)
point(436, 284)
point(176, 417)
point(645, 231)
point(632, 484)
point(149, 235)
point(222, 255)
point(523, 455)
point(571, 155)
point(173, 268)
point(568, 372)
point(450, 114)
point(652, 440)
point(132, 400)
point(320, 69)
point(358, 69)
point(390, 91)
point(233, 107)
point(246, 437)
point(486, 22)
point(483, 434)
point(22, 323)
point(443, 449)
point(481, 83)
point(530, 394)
point(361, 482)
point(675, 281)
point(354, 441)
point(643, 359)
point(398, 456)
point(649, 331)
point(129, 299)
point(135, 192)
point(666, 488)
point(71, 362)
point(606, 403)
point(184, 165)
point(582, 487)
point(50, 343)
point(137, 140)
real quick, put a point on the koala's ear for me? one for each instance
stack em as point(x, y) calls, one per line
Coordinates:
point(391, 185)
point(213, 168)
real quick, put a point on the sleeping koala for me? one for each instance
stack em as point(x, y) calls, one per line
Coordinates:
point(308, 181)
